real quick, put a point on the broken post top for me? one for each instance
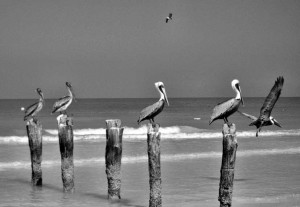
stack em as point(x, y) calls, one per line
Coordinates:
point(33, 121)
point(229, 129)
point(64, 120)
point(152, 128)
point(113, 123)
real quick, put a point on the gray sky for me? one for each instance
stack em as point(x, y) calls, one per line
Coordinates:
point(119, 48)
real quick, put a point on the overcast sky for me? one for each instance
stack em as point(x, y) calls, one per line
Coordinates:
point(119, 48)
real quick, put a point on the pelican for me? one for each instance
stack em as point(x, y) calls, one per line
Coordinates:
point(225, 109)
point(32, 110)
point(169, 17)
point(265, 118)
point(63, 103)
point(151, 111)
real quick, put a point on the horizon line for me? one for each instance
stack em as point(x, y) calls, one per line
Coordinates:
point(150, 97)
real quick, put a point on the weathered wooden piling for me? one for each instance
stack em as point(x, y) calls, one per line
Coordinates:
point(113, 156)
point(227, 168)
point(65, 135)
point(35, 140)
point(153, 143)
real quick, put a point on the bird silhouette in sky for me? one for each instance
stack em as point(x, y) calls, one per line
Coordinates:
point(169, 17)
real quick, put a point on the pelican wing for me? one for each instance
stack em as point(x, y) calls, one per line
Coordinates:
point(61, 102)
point(151, 111)
point(30, 110)
point(254, 118)
point(271, 99)
point(221, 109)
point(33, 109)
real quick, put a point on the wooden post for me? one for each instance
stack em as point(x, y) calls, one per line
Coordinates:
point(153, 142)
point(34, 133)
point(65, 134)
point(113, 156)
point(227, 168)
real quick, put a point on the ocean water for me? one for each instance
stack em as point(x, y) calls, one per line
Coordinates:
point(266, 171)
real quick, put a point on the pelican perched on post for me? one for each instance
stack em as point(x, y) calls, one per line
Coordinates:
point(32, 110)
point(225, 109)
point(265, 118)
point(151, 111)
point(63, 103)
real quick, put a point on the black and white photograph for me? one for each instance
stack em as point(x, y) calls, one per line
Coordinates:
point(149, 103)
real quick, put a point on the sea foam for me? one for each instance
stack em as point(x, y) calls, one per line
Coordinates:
point(132, 134)
point(144, 158)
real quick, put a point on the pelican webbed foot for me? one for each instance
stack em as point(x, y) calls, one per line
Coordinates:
point(229, 124)
point(152, 122)
point(258, 130)
point(63, 112)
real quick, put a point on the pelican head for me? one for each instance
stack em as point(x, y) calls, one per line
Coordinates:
point(161, 89)
point(69, 86)
point(39, 91)
point(273, 121)
point(235, 84)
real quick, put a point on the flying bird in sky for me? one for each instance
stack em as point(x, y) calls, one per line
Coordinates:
point(150, 112)
point(225, 109)
point(265, 118)
point(169, 17)
point(32, 110)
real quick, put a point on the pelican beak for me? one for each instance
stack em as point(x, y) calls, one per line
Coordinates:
point(73, 94)
point(165, 95)
point(239, 89)
point(276, 123)
point(42, 95)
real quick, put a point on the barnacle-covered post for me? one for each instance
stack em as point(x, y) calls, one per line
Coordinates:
point(228, 163)
point(65, 135)
point(153, 143)
point(113, 156)
point(35, 140)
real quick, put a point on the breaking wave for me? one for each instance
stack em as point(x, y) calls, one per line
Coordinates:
point(144, 158)
point(132, 134)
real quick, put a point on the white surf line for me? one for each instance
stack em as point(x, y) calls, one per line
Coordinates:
point(144, 158)
point(138, 135)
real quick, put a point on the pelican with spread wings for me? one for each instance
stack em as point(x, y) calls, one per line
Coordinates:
point(168, 18)
point(265, 118)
